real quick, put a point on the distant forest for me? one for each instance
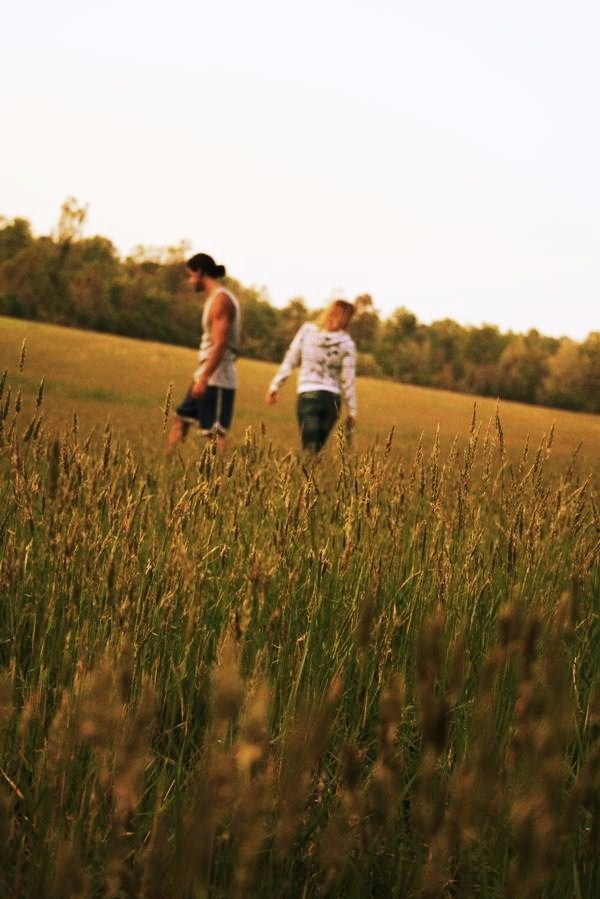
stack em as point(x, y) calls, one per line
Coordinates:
point(68, 279)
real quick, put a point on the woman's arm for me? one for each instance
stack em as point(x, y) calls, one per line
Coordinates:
point(291, 360)
point(348, 379)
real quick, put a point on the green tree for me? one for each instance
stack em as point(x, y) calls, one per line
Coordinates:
point(563, 383)
point(446, 339)
point(289, 319)
point(484, 345)
point(365, 324)
point(14, 237)
point(259, 322)
point(522, 368)
point(590, 365)
point(29, 284)
point(482, 349)
point(395, 350)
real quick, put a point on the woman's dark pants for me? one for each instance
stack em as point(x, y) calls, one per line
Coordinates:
point(317, 411)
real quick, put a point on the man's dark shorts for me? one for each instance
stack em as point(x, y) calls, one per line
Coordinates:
point(212, 411)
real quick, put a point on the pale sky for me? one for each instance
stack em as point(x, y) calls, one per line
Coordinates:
point(442, 156)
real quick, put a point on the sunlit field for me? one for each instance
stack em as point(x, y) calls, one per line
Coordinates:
point(375, 674)
point(99, 378)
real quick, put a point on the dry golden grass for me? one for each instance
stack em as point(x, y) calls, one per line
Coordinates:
point(104, 377)
point(376, 673)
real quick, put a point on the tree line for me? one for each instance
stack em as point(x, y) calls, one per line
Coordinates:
point(69, 279)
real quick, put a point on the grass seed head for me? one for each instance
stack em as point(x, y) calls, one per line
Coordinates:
point(167, 406)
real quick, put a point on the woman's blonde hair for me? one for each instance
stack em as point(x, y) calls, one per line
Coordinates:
point(337, 316)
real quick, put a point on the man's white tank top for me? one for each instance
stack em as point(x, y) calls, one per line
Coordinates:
point(225, 374)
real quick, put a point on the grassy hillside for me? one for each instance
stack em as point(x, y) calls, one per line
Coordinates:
point(102, 377)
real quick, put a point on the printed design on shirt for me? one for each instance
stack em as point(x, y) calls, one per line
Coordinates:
point(326, 359)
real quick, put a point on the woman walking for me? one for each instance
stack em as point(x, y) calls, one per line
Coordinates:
point(326, 355)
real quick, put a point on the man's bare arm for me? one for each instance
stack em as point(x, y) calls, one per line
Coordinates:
point(221, 317)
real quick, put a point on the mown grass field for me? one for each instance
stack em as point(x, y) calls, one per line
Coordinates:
point(376, 674)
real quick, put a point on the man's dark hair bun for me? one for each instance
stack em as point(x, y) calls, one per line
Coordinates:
point(204, 263)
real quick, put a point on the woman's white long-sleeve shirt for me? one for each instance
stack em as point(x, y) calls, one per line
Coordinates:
point(327, 361)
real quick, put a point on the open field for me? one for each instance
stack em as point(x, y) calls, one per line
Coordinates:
point(102, 377)
point(376, 674)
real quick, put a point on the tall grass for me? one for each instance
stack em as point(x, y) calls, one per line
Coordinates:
point(263, 674)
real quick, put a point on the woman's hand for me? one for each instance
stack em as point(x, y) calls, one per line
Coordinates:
point(271, 397)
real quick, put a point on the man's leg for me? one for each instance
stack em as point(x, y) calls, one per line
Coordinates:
point(224, 399)
point(185, 415)
point(178, 432)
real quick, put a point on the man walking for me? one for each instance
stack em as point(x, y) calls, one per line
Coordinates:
point(208, 403)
